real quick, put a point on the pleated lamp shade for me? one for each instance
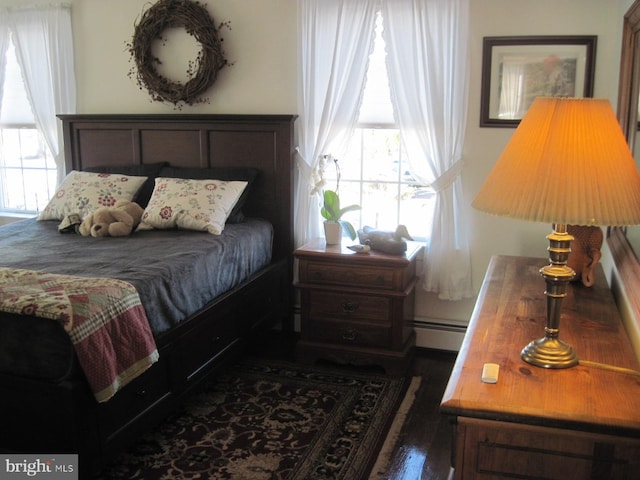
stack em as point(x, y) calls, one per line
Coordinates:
point(567, 163)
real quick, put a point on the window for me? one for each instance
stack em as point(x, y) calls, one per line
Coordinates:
point(375, 170)
point(27, 168)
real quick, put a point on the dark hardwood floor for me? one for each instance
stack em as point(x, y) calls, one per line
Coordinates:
point(423, 450)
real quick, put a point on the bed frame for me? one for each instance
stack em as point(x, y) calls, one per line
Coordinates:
point(59, 418)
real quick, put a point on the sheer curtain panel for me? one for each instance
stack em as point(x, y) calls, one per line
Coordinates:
point(4, 45)
point(44, 49)
point(427, 60)
point(335, 40)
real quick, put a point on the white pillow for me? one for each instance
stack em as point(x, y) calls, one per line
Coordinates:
point(85, 192)
point(202, 205)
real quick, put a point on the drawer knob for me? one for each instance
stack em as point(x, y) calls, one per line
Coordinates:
point(349, 307)
point(349, 335)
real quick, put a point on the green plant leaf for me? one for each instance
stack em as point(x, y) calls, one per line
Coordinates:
point(348, 229)
point(331, 207)
point(350, 208)
point(331, 211)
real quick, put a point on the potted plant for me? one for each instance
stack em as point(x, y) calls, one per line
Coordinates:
point(330, 210)
point(332, 213)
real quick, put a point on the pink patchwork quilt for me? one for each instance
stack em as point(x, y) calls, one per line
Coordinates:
point(104, 318)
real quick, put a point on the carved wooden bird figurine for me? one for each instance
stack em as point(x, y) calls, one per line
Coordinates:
point(387, 242)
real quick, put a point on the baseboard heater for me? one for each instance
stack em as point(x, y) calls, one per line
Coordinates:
point(439, 334)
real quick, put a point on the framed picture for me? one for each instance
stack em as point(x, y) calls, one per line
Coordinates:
point(516, 70)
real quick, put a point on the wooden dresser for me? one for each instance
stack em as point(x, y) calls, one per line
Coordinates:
point(357, 307)
point(577, 423)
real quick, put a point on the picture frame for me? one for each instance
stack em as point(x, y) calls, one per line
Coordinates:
point(515, 70)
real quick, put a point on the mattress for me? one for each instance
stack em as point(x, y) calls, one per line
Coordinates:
point(176, 273)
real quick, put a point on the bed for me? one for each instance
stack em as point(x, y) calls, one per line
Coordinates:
point(49, 404)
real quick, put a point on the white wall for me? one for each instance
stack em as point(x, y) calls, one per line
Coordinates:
point(490, 235)
point(262, 46)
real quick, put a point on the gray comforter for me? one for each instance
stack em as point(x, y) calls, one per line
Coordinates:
point(175, 272)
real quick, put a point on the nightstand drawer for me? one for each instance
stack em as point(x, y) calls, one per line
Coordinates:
point(350, 333)
point(349, 306)
point(362, 276)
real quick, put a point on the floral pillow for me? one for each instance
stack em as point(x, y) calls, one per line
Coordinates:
point(202, 205)
point(84, 192)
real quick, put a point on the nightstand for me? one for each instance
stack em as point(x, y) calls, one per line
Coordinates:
point(357, 308)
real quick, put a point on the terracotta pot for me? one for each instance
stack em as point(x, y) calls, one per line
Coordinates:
point(332, 233)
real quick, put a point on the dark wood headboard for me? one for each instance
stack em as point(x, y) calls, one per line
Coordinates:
point(264, 142)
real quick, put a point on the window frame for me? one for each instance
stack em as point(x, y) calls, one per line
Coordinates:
point(399, 183)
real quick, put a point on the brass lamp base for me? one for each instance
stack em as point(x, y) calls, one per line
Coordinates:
point(549, 353)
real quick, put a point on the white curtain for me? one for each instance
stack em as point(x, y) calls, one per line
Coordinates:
point(4, 45)
point(427, 60)
point(512, 92)
point(44, 49)
point(335, 40)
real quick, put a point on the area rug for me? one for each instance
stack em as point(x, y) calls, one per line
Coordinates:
point(270, 420)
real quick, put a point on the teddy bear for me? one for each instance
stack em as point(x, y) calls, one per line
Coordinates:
point(116, 221)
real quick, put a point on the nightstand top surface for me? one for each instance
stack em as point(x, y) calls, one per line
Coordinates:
point(319, 248)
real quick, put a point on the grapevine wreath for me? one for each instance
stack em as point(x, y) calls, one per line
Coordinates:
point(202, 72)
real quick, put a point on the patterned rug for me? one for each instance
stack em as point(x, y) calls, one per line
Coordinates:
point(269, 420)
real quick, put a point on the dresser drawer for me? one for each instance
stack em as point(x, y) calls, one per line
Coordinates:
point(349, 333)
point(141, 394)
point(507, 450)
point(325, 305)
point(335, 274)
point(207, 343)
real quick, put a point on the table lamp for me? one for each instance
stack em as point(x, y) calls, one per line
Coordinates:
point(567, 163)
